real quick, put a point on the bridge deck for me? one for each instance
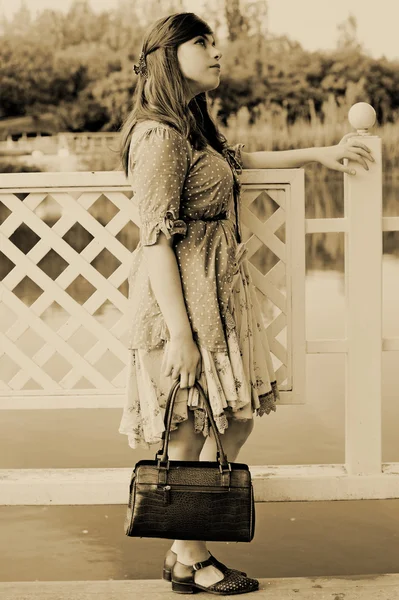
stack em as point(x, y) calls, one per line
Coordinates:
point(367, 587)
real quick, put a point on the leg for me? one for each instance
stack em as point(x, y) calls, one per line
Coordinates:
point(233, 439)
point(185, 444)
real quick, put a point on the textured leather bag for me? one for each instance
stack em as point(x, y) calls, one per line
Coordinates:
point(190, 500)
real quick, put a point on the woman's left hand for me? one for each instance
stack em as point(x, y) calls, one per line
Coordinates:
point(329, 156)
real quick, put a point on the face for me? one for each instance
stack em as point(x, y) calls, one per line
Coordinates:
point(197, 59)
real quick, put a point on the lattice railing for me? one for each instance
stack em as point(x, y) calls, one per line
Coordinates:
point(273, 221)
point(78, 262)
point(271, 199)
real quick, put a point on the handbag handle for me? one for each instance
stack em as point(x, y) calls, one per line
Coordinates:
point(163, 451)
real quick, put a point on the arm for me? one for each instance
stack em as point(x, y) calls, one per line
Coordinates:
point(166, 284)
point(328, 156)
point(280, 159)
point(160, 165)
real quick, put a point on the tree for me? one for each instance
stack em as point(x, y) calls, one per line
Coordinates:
point(347, 36)
point(237, 24)
point(257, 17)
point(80, 64)
point(22, 20)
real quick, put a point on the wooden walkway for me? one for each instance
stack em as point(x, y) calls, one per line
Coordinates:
point(358, 587)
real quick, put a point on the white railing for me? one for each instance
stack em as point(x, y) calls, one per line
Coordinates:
point(75, 195)
point(362, 476)
point(75, 143)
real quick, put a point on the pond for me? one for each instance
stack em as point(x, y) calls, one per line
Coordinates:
point(300, 434)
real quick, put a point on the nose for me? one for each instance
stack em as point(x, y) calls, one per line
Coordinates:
point(217, 54)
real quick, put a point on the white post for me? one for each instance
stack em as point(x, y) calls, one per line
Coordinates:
point(363, 279)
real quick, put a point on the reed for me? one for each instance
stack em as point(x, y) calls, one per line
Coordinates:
point(271, 130)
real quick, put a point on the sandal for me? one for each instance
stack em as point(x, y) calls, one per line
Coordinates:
point(232, 583)
point(171, 558)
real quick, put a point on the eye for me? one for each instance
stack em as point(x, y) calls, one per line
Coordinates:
point(200, 41)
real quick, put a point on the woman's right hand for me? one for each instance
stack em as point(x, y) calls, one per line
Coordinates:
point(182, 357)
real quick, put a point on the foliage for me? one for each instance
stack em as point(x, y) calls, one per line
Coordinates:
point(78, 66)
point(17, 167)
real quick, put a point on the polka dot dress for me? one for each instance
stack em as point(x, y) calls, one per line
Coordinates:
point(188, 194)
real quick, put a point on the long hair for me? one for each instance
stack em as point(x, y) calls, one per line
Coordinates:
point(162, 96)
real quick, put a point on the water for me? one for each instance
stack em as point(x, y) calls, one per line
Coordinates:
point(293, 538)
point(299, 434)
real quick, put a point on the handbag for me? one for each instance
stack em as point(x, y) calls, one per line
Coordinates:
point(190, 500)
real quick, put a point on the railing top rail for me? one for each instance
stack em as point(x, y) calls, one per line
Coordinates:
point(63, 179)
point(117, 178)
point(89, 133)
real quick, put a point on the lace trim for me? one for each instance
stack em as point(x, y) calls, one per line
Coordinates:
point(233, 156)
point(201, 422)
point(230, 155)
point(229, 321)
point(267, 404)
point(221, 422)
point(268, 401)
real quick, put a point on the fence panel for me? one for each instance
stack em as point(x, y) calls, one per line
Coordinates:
point(78, 221)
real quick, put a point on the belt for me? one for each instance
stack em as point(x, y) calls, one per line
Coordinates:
point(219, 217)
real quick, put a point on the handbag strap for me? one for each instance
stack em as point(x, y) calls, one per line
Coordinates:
point(163, 451)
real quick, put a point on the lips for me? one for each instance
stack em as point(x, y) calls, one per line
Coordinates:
point(215, 66)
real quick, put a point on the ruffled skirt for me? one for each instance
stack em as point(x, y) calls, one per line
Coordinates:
point(238, 383)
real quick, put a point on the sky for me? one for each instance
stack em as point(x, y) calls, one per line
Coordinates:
point(313, 23)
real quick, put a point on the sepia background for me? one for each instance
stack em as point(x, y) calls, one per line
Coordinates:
point(291, 69)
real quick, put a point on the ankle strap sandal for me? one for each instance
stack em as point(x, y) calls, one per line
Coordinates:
point(171, 558)
point(232, 583)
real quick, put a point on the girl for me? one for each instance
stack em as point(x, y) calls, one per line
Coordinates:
point(193, 308)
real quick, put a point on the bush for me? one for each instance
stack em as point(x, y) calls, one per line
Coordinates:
point(17, 167)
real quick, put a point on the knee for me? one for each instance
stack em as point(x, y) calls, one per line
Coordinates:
point(185, 444)
point(241, 430)
point(182, 451)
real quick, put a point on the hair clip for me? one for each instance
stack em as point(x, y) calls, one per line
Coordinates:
point(141, 69)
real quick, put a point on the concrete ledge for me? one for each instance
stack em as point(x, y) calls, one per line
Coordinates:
point(272, 483)
point(356, 587)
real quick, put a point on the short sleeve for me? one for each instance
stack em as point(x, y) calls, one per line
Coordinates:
point(158, 164)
